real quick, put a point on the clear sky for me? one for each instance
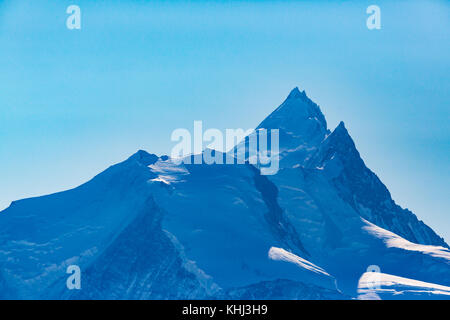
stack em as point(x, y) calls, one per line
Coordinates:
point(73, 102)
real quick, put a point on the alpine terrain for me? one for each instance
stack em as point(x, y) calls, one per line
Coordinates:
point(149, 228)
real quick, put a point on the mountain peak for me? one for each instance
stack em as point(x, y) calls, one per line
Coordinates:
point(341, 130)
point(339, 143)
point(340, 138)
point(299, 118)
point(296, 93)
point(341, 126)
point(144, 157)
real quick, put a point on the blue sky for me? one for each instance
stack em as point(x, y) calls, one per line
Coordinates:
point(73, 102)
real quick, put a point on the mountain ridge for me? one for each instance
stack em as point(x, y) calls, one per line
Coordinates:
point(199, 231)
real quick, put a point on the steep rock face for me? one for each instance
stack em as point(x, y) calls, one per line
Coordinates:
point(142, 263)
point(275, 216)
point(340, 161)
point(306, 142)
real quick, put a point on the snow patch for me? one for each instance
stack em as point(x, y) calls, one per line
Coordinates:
point(279, 254)
point(168, 172)
point(373, 284)
point(394, 241)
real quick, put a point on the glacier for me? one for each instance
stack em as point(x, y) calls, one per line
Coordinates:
point(153, 228)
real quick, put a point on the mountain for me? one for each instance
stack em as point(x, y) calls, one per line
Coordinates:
point(362, 189)
point(150, 228)
point(301, 124)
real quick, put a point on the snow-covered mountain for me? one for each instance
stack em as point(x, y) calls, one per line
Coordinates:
point(148, 228)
